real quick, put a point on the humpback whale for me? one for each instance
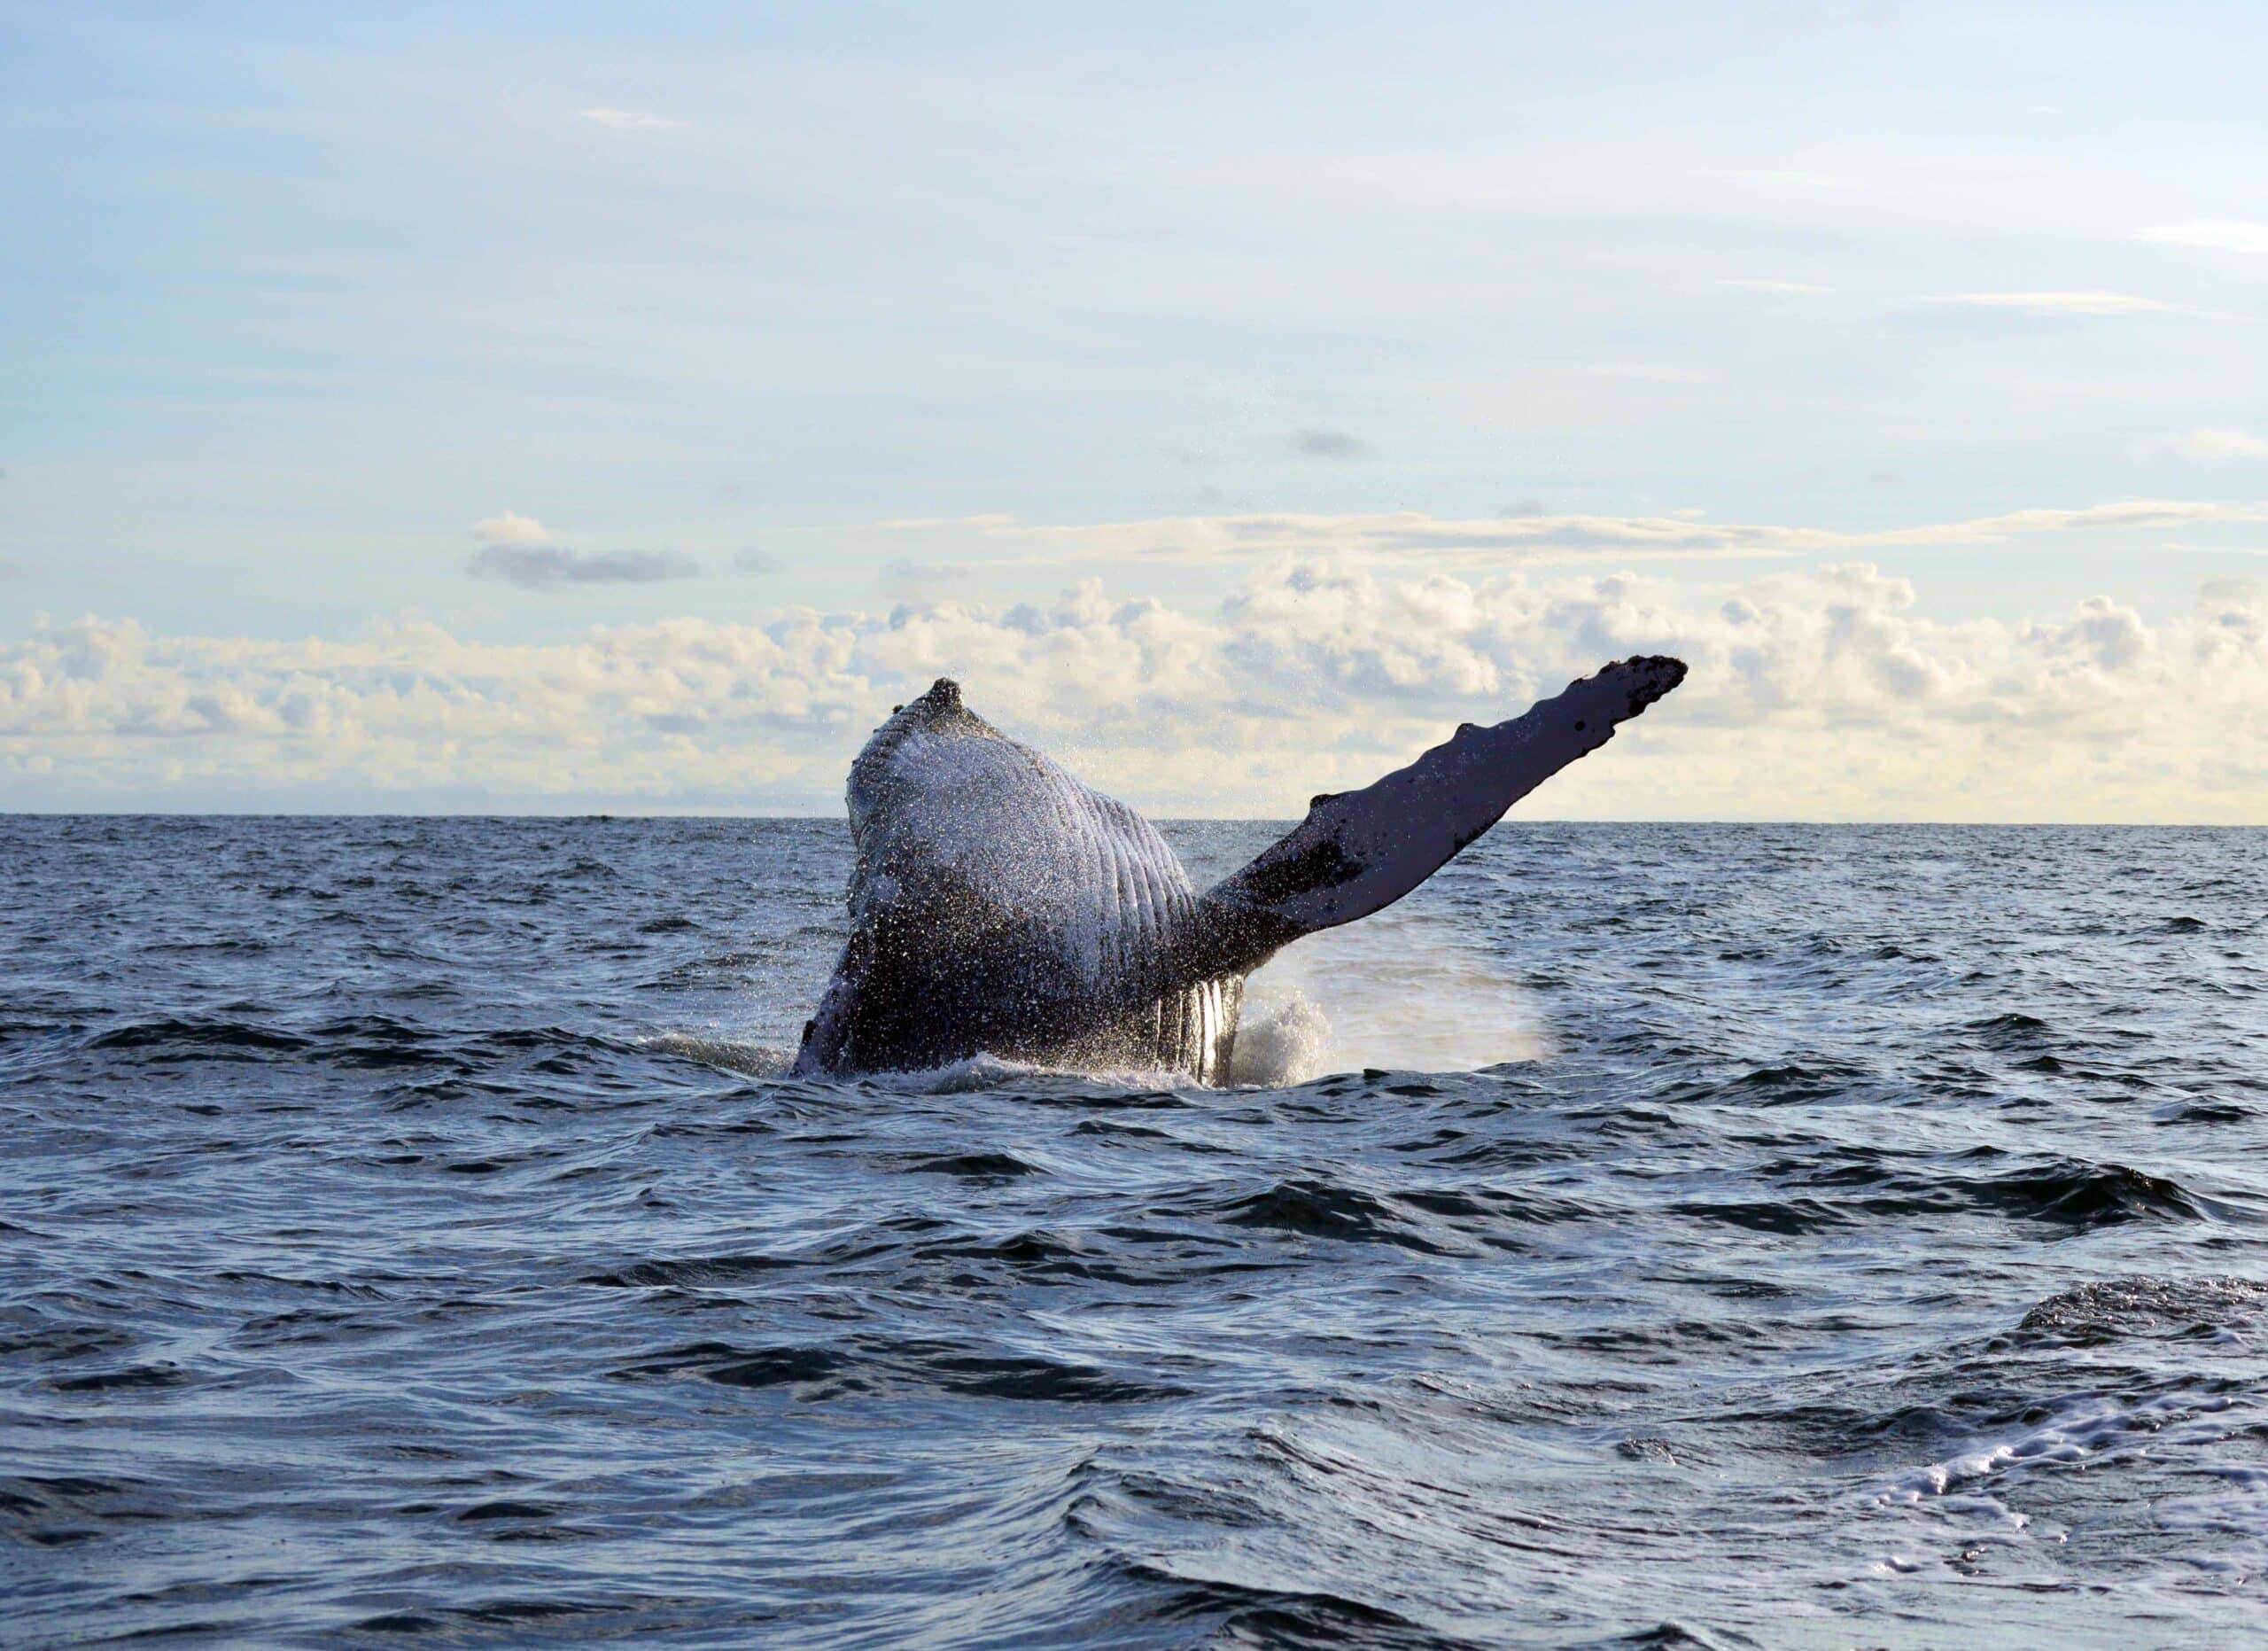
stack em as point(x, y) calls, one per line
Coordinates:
point(1000, 905)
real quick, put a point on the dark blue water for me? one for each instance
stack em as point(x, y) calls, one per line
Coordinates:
point(399, 1242)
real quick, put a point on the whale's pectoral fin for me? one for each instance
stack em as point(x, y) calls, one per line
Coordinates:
point(1358, 852)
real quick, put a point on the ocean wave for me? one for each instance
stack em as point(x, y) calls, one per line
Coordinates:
point(461, 1259)
point(880, 1367)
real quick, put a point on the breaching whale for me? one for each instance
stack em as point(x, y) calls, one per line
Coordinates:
point(1000, 905)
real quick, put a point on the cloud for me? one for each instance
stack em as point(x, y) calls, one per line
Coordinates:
point(1211, 498)
point(916, 524)
point(1538, 538)
point(2075, 303)
point(509, 527)
point(1641, 372)
point(1816, 693)
point(2129, 513)
point(753, 559)
point(1787, 289)
point(2212, 446)
point(2217, 234)
point(545, 567)
point(631, 120)
point(907, 570)
point(521, 550)
point(1331, 444)
point(1786, 178)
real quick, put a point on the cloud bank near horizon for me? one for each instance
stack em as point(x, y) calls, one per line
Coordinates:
point(1815, 694)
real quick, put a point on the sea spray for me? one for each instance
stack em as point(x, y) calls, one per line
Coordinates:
point(1401, 992)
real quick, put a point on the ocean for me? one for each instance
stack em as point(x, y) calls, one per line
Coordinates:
point(1642, 1235)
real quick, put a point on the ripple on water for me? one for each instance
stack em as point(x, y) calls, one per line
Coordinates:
point(409, 1230)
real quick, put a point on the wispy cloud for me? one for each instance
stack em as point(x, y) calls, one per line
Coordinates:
point(545, 567)
point(1784, 289)
point(1786, 177)
point(1542, 538)
point(2221, 235)
point(1331, 444)
point(2213, 447)
point(755, 559)
point(918, 523)
point(631, 120)
point(1643, 372)
point(2086, 302)
point(523, 551)
point(904, 570)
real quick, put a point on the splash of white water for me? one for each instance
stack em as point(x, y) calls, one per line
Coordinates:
point(756, 1060)
point(1399, 991)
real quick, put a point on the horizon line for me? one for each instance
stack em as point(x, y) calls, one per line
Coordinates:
point(609, 815)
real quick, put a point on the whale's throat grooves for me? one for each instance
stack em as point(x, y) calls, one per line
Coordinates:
point(998, 905)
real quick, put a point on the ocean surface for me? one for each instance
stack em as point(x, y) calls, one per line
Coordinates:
point(1642, 1235)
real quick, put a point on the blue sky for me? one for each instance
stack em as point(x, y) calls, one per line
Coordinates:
point(512, 323)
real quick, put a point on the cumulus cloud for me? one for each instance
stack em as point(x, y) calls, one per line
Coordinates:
point(631, 120)
point(1331, 444)
point(2213, 447)
point(2077, 303)
point(2216, 235)
point(1818, 693)
point(522, 550)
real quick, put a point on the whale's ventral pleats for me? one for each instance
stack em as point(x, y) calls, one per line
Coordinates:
point(1000, 905)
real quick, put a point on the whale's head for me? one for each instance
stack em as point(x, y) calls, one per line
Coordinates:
point(906, 753)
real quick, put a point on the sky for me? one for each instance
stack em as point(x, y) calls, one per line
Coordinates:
point(563, 407)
